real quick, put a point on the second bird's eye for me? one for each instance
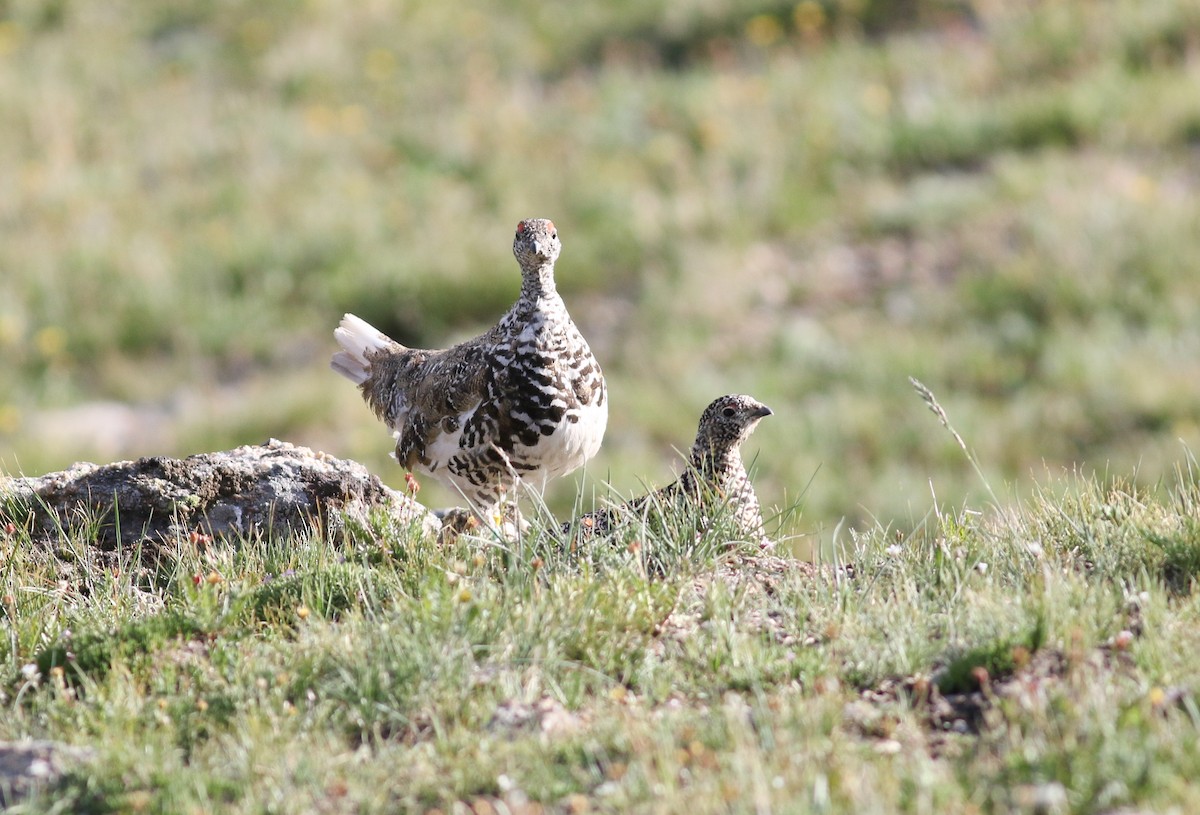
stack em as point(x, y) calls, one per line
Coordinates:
point(728, 412)
point(554, 235)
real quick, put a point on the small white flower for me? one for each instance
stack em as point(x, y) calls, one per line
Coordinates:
point(981, 567)
point(31, 673)
point(894, 550)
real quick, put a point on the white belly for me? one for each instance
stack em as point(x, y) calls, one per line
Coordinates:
point(562, 452)
point(569, 446)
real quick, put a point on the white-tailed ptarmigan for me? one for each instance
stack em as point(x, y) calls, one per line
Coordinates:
point(715, 475)
point(524, 401)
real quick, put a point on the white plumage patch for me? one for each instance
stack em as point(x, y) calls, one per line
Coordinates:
point(357, 338)
point(571, 444)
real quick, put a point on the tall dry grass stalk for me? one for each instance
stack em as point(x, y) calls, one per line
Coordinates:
point(935, 407)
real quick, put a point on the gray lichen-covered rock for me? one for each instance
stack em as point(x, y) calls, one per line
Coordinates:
point(274, 488)
point(30, 765)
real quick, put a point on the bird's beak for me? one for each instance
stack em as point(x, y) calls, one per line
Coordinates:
point(761, 411)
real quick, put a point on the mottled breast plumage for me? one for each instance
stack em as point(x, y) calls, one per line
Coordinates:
point(525, 400)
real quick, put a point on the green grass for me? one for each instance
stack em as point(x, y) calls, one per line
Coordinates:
point(309, 674)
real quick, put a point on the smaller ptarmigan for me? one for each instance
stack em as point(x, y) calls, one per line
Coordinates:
point(525, 401)
point(715, 477)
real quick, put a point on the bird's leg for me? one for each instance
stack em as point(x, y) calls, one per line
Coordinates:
point(509, 522)
point(512, 520)
point(455, 522)
point(503, 517)
point(491, 510)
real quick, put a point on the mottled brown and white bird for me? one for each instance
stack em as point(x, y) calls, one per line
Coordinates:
point(715, 477)
point(526, 401)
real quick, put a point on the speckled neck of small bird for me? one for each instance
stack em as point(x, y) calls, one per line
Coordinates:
point(710, 458)
point(538, 281)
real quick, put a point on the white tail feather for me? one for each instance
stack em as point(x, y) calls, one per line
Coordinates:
point(357, 338)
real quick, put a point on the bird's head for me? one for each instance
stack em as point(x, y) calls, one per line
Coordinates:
point(729, 421)
point(536, 244)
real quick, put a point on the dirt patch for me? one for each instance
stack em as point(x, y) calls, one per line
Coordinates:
point(757, 577)
point(965, 713)
point(35, 765)
point(959, 713)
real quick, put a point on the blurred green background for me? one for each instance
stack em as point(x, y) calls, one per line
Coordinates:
point(808, 202)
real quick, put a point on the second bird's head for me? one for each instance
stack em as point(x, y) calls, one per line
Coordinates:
point(729, 421)
point(536, 243)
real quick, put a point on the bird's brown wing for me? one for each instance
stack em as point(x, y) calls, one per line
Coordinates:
point(446, 386)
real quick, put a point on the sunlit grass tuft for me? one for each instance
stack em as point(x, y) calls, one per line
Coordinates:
point(391, 671)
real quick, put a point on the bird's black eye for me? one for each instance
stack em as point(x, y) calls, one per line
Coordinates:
point(728, 412)
point(554, 235)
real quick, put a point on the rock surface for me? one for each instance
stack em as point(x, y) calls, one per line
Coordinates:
point(29, 765)
point(274, 488)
